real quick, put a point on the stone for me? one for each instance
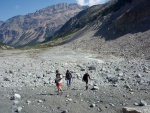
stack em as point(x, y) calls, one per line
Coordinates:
point(40, 101)
point(120, 74)
point(10, 71)
point(28, 102)
point(82, 69)
point(112, 78)
point(117, 69)
point(69, 99)
point(78, 75)
point(65, 111)
point(92, 68)
point(111, 104)
point(95, 88)
point(19, 109)
point(138, 76)
point(16, 102)
point(143, 109)
point(142, 103)
point(92, 105)
point(6, 79)
point(67, 95)
point(17, 96)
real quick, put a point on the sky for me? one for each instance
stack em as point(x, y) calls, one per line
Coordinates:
point(11, 8)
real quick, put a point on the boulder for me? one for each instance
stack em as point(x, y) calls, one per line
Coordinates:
point(95, 88)
point(92, 68)
point(143, 109)
point(16, 96)
point(112, 78)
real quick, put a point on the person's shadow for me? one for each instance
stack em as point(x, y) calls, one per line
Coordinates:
point(46, 94)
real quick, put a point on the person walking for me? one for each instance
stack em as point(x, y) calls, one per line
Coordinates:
point(68, 78)
point(85, 78)
point(58, 81)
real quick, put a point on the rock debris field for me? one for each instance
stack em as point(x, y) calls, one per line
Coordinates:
point(116, 86)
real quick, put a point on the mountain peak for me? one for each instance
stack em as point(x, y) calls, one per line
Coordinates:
point(33, 28)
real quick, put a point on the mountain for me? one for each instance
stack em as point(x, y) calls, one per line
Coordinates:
point(119, 28)
point(81, 20)
point(33, 28)
point(1, 22)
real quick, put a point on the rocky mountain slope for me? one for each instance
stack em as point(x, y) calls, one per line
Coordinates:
point(1, 22)
point(33, 28)
point(121, 29)
point(82, 19)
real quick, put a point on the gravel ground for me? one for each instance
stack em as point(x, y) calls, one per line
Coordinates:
point(27, 82)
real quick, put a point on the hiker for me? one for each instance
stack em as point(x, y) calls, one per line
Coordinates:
point(68, 78)
point(58, 81)
point(85, 78)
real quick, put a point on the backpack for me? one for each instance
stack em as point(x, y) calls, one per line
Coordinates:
point(68, 76)
point(58, 78)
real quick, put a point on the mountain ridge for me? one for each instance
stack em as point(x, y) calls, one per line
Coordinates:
point(33, 28)
point(124, 32)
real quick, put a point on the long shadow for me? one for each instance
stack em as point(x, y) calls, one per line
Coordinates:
point(131, 20)
point(47, 94)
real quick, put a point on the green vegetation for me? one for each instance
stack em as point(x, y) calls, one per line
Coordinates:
point(52, 43)
point(4, 46)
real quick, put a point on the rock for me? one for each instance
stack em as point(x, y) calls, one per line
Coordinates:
point(92, 105)
point(136, 104)
point(65, 111)
point(19, 109)
point(40, 101)
point(16, 102)
point(103, 69)
point(138, 76)
point(142, 103)
point(143, 109)
point(117, 69)
point(38, 77)
point(67, 95)
point(145, 70)
point(28, 102)
point(78, 75)
point(82, 69)
point(6, 79)
point(10, 71)
point(112, 78)
point(69, 99)
point(127, 86)
point(111, 104)
point(17, 96)
point(120, 74)
point(92, 68)
point(95, 88)
point(15, 109)
point(81, 100)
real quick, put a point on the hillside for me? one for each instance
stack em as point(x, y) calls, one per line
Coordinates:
point(1, 22)
point(5, 47)
point(120, 28)
point(82, 19)
point(33, 28)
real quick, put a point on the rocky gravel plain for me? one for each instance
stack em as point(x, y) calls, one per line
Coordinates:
point(27, 85)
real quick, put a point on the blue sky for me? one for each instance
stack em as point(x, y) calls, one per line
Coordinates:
point(10, 8)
